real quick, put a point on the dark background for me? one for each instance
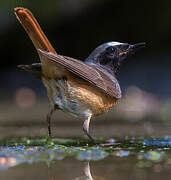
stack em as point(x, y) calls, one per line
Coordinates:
point(75, 28)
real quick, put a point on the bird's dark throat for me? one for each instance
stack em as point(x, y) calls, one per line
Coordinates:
point(111, 64)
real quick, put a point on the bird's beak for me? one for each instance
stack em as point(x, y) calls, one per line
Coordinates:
point(133, 48)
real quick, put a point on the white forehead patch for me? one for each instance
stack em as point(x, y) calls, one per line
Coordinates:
point(101, 49)
point(114, 43)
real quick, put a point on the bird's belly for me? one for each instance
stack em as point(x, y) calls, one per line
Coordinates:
point(60, 93)
point(77, 97)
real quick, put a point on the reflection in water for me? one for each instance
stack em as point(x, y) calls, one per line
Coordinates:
point(6, 162)
point(88, 175)
point(87, 171)
point(130, 157)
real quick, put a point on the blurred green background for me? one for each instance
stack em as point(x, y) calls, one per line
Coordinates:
point(75, 28)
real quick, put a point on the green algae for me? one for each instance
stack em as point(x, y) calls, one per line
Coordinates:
point(146, 151)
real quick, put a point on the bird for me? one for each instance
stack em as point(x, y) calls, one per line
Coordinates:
point(83, 89)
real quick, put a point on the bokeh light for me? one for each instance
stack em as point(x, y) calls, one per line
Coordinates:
point(25, 97)
point(138, 103)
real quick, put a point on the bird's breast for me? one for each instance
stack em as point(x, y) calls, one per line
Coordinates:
point(78, 97)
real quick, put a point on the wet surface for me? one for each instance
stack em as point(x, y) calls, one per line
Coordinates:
point(135, 146)
point(65, 159)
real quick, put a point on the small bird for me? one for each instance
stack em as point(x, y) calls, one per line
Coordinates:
point(84, 89)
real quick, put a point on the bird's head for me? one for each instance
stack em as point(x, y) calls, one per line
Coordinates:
point(110, 55)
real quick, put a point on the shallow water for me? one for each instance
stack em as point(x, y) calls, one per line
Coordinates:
point(77, 159)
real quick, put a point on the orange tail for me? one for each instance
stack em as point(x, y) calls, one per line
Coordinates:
point(33, 29)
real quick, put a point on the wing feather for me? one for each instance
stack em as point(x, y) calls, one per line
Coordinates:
point(95, 76)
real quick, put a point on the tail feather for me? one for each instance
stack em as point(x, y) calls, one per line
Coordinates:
point(33, 29)
point(35, 69)
point(40, 41)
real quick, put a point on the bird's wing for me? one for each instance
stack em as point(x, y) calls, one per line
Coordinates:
point(86, 72)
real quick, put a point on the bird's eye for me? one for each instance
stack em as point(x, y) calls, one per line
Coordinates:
point(110, 49)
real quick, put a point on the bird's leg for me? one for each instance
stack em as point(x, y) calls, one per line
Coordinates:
point(86, 129)
point(49, 116)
